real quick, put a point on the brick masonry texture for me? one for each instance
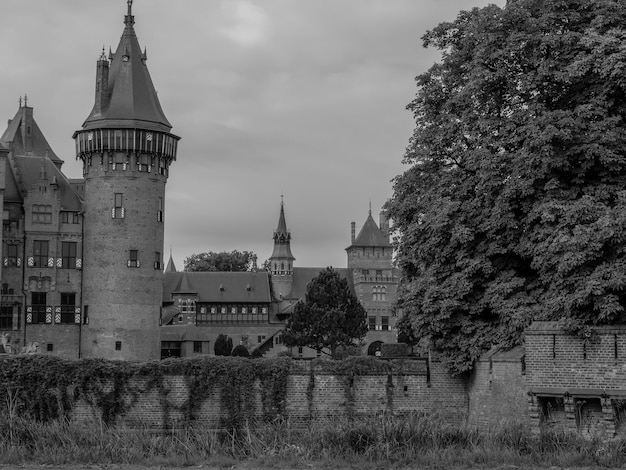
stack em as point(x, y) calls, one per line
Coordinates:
point(557, 380)
point(405, 389)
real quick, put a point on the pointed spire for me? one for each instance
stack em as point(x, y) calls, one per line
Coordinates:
point(170, 268)
point(282, 241)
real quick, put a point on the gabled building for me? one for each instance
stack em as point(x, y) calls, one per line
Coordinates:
point(251, 307)
point(42, 242)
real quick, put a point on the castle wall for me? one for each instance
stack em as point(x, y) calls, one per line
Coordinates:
point(498, 392)
point(312, 393)
point(577, 383)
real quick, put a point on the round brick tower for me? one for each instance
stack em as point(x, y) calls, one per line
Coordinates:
point(126, 148)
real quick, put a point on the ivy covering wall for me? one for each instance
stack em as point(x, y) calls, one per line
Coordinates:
point(236, 391)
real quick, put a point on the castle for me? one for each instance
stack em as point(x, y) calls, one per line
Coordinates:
point(82, 273)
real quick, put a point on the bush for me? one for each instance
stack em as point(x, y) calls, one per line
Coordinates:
point(241, 351)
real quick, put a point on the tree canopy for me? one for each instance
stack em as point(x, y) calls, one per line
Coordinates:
point(222, 261)
point(330, 316)
point(514, 204)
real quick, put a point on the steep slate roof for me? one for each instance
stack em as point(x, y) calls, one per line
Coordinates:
point(216, 287)
point(133, 101)
point(23, 136)
point(30, 172)
point(370, 235)
point(11, 188)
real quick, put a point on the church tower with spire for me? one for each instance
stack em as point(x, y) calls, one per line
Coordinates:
point(126, 149)
point(281, 261)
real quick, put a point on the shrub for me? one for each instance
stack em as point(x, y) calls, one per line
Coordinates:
point(241, 351)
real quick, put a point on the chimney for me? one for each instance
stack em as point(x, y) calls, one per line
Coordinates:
point(384, 221)
point(352, 231)
point(102, 84)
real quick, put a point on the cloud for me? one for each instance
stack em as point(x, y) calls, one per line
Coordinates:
point(247, 23)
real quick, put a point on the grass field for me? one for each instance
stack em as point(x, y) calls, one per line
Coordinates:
point(386, 441)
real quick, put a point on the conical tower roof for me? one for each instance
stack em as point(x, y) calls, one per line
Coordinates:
point(132, 100)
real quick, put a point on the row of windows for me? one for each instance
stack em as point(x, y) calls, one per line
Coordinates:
point(41, 257)
point(39, 312)
point(231, 313)
point(134, 262)
point(379, 293)
point(42, 214)
point(382, 326)
point(118, 211)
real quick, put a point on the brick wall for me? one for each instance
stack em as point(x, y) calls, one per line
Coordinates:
point(312, 393)
point(497, 390)
point(576, 383)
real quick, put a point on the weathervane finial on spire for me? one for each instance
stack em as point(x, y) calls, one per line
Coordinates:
point(129, 19)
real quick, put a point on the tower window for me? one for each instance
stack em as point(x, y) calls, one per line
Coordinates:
point(118, 345)
point(157, 260)
point(133, 259)
point(384, 321)
point(379, 293)
point(119, 159)
point(42, 214)
point(372, 323)
point(118, 206)
point(160, 210)
point(162, 166)
point(144, 163)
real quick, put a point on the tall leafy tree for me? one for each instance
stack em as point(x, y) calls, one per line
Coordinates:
point(330, 316)
point(514, 204)
point(221, 261)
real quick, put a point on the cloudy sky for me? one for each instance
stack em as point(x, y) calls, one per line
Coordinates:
point(301, 98)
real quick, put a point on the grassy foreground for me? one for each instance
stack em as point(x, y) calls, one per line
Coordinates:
point(391, 441)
